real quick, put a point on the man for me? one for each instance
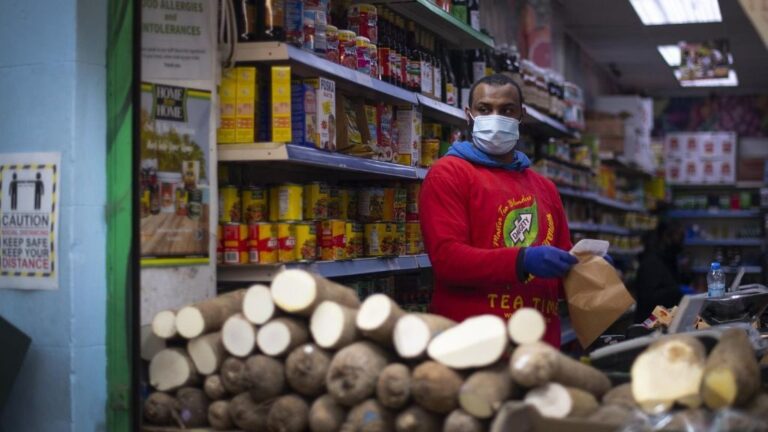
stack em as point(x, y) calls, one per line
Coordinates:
point(495, 231)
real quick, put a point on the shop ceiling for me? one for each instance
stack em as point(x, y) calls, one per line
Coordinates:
point(611, 32)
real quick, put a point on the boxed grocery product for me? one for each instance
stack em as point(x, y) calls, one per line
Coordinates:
point(372, 127)
point(245, 101)
point(324, 134)
point(605, 125)
point(409, 135)
point(281, 104)
point(385, 120)
point(303, 113)
point(227, 103)
point(349, 124)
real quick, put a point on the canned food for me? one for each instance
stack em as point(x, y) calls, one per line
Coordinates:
point(334, 203)
point(195, 205)
point(332, 43)
point(388, 209)
point(379, 239)
point(362, 19)
point(286, 240)
point(344, 200)
point(400, 204)
point(333, 244)
point(229, 205)
point(413, 242)
point(398, 247)
point(371, 204)
point(373, 56)
point(306, 241)
point(254, 200)
point(430, 151)
point(235, 243)
point(219, 245)
point(355, 240)
point(404, 159)
point(347, 52)
point(262, 243)
point(285, 203)
point(316, 196)
point(412, 206)
point(363, 55)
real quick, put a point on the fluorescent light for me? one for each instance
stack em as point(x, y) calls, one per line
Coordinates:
point(671, 54)
point(732, 80)
point(658, 12)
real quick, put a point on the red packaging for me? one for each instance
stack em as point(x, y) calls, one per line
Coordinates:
point(235, 243)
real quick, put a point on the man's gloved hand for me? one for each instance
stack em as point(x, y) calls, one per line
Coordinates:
point(547, 261)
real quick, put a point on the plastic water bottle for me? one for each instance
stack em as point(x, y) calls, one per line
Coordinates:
point(715, 281)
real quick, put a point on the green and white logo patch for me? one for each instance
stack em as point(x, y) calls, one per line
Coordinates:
point(521, 227)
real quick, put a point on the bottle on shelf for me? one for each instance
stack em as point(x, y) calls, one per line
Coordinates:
point(450, 92)
point(478, 65)
point(437, 70)
point(473, 12)
point(426, 68)
point(395, 50)
point(405, 55)
point(715, 281)
point(460, 11)
point(490, 63)
point(384, 48)
point(414, 59)
point(466, 79)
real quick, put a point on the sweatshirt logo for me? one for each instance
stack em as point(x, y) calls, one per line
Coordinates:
point(521, 226)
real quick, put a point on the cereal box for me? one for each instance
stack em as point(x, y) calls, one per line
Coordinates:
point(409, 136)
point(281, 104)
point(303, 113)
point(227, 102)
point(324, 134)
point(245, 100)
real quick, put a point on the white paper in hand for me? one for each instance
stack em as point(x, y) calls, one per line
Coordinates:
point(591, 246)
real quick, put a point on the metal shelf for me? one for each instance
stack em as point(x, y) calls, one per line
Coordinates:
point(441, 111)
point(330, 269)
point(747, 269)
point(583, 226)
point(429, 15)
point(625, 252)
point(575, 193)
point(618, 205)
point(700, 214)
point(591, 227)
point(568, 164)
point(725, 242)
point(622, 165)
point(275, 152)
point(542, 123)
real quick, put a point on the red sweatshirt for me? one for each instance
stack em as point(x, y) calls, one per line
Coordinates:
point(474, 220)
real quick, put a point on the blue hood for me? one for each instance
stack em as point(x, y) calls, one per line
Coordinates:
point(467, 151)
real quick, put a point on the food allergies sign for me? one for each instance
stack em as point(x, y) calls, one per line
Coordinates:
point(176, 40)
point(29, 220)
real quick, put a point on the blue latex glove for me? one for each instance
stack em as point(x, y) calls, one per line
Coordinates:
point(547, 261)
point(609, 259)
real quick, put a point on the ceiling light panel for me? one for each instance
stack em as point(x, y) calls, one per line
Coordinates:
point(659, 12)
point(671, 54)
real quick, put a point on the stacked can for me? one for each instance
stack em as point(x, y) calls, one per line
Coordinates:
point(413, 240)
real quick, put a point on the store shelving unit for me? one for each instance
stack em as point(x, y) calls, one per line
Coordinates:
point(730, 270)
point(538, 122)
point(713, 214)
point(590, 227)
point(356, 267)
point(599, 199)
point(725, 242)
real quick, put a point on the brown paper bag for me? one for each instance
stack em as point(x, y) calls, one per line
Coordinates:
point(596, 297)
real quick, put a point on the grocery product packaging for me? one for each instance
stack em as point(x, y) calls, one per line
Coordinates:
point(281, 104)
point(303, 113)
point(409, 135)
point(324, 134)
point(596, 295)
point(227, 103)
point(350, 125)
point(245, 99)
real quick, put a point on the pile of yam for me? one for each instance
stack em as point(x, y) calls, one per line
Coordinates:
point(305, 354)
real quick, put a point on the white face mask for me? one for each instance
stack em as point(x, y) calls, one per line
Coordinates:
point(495, 134)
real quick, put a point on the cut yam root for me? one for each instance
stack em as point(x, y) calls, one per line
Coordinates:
point(460, 421)
point(164, 324)
point(476, 342)
point(206, 352)
point(247, 414)
point(538, 363)
point(208, 315)
point(300, 292)
point(281, 335)
point(669, 371)
point(484, 391)
point(557, 401)
point(171, 369)
point(526, 325)
point(258, 307)
point(354, 371)
point(436, 387)
point(369, 416)
point(732, 373)
point(414, 332)
point(214, 389)
point(306, 368)
point(218, 415)
point(233, 376)
point(289, 413)
point(265, 377)
point(333, 325)
point(377, 318)
point(417, 419)
point(393, 388)
point(326, 415)
point(238, 335)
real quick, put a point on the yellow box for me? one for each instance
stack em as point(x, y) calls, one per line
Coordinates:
point(227, 103)
point(281, 104)
point(245, 115)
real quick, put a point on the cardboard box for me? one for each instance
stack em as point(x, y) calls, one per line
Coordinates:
point(638, 111)
point(225, 134)
point(386, 122)
point(303, 113)
point(349, 124)
point(409, 136)
point(612, 144)
point(324, 135)
point(673, 146)
point(372, 127)
point(605, 125)
point(245, 124)
point(281, 104)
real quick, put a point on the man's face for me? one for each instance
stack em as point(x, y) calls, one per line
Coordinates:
point(500, 100)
